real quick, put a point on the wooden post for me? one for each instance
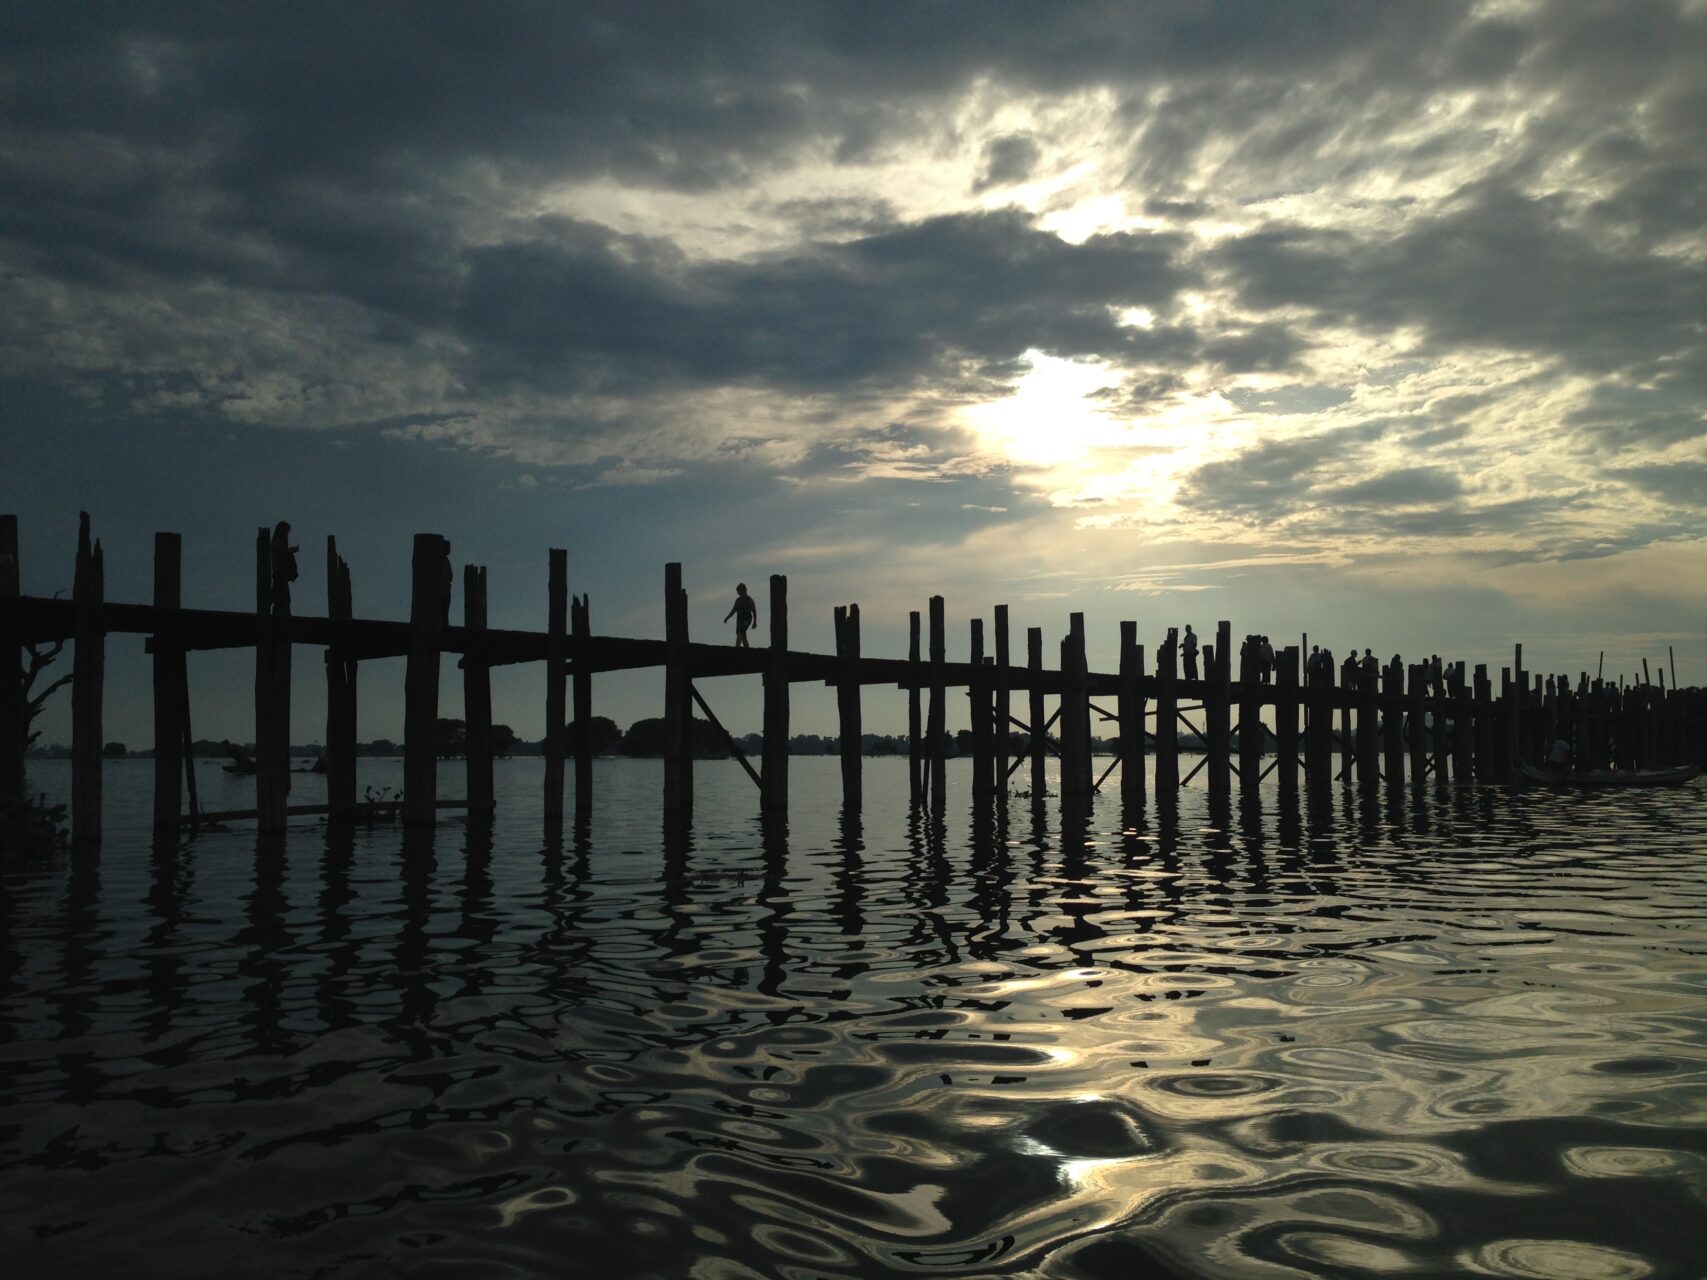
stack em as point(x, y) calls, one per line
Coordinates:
point(936, 732)
point(1519, 707)
point(1507, 722)
point(1250, 715)
point(476, 691)
point(774, 795)
point(1318, 723)
point(1081, 705)
point(678, 747)
point(1393, 720)
point(14, 724)
point(849, 722)
point(999, 721)
point(1034, 673)
point(168, 684)
point(1071, 774)
point(87, 683)
point(1440, 743)
point(340, 751)
point(915, 720)
point(557, 676)
point(1463, 734)
point(978, 707)
point(581, 690)
point(1368, 711)
point(1167, 715)
point(1416, 709)
point(1286, 718)
point(421, 681)
point(1217, 710)
point(1347, 697)
point(1483, 713)
point(1130, 708)
point(265, 819)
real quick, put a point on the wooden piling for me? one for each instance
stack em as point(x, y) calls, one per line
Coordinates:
point(1002, 693)
point(1416, 709)
point(87, 682)
point(850, 725)
point(1071, 774)
point(1167, 715)
point(978, 700)
point(581, 692)
point(476, 692)
point(1035, 745)
point(1463, 727)
point(272, 685)
point(1482, 714)
point(1286, 719)
point(915, 719)
point(340, 750)
point(557, 678)
point(1368, 713)
point(1217, 709)
point(1076, 708)
point(14, 722)
point(169, 679)
point(1440, 740)
point(678, 707)
point(1318, 723)
point(1129, 707)
point(774, 794)
point(1393, 720)
point(936, 731)
point(1250, 714)
point(421, 681)
point(1347, 699)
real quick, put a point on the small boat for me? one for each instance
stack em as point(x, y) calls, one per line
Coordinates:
point(1607, 777)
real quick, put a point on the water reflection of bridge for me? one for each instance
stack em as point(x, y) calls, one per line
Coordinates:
point(1393, 719)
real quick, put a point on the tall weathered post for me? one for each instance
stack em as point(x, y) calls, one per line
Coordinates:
point(1167, 714)
point(421, 680)
point(915, 718)
point(1416, 709)
point(1286, 718)
point(170, 679)
point(850, 724)
point(1318, 722)
point(1440, 739)
point(1463, 734)
point(1393, 720)
point(14, 724)
point(274, 568)
point(1368, 712)
point(1482, 703)
point(774, 793)
point(999, 719)
point(1035, 745)
point(678, 708)
point(581, 691)
point(557, 676)
point(88, 681)
point(1217, 710)
point(340, 691)
point(1250, 715)
point(936, 732)
point(978, 708)
point(1129, 707)
point(1347, 697)
point(476, 691)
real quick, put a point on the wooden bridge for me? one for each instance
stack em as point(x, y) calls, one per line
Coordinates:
point(1392, 719)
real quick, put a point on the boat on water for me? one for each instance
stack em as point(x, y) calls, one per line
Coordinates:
point(1550, 777)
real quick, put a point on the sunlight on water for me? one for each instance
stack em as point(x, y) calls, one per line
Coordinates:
point(1454, 1032)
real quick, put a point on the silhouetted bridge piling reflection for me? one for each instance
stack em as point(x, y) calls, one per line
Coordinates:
point(1394, 721)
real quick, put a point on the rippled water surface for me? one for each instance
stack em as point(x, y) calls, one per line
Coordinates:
point(1438, 1034)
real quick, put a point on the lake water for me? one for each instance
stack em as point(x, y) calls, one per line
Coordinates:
point(1454, 1032)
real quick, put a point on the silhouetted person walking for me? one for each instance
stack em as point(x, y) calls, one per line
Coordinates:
point(1188, 652)
point(745, 612)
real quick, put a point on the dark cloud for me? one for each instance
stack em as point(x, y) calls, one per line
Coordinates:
point(1682, 484)
point(1406, 487)
point(1273, 479)
point(1007, 160)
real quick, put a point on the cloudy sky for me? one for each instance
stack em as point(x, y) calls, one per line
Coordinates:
point(1382, 321)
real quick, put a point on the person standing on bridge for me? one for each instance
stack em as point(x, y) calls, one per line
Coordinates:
point(1188, 652)
point(745, 611)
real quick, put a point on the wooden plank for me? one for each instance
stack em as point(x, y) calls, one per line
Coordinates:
point(87, 684)
point(340, 750)
point(849, 722)
point(728, 738)
point(1217, 709)
point(1167, 714)
point(774, 795)
point(169, 679)
point(677, 701)
point(936, 732)
point(915, 721)
point(421, 680)
point(581, 692)
point(1036, 746)
point(476, 694)
point(1002, 694)
point(1286, 707)
point(556, 676)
